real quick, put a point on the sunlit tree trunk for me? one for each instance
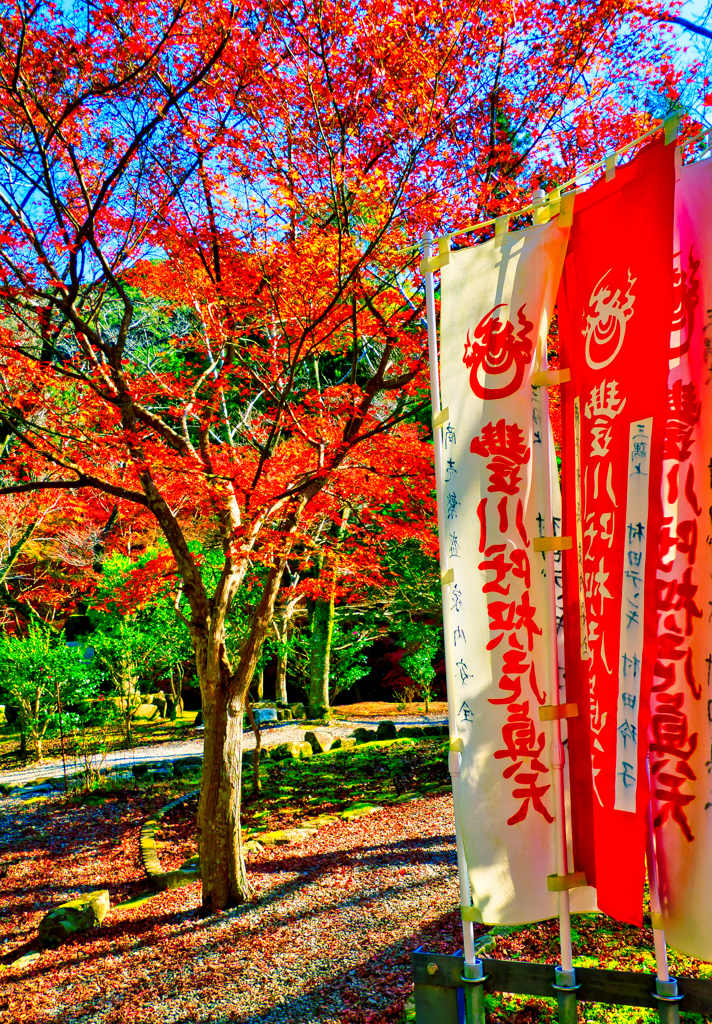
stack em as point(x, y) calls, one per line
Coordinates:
point(222, 861)
point(281, 684)
point(320, 655)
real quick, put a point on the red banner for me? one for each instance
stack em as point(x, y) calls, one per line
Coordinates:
point(615, 306)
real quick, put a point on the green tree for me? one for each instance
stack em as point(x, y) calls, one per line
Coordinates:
point(40, 674)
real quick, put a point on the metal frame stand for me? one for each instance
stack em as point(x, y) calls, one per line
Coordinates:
point(438, 978)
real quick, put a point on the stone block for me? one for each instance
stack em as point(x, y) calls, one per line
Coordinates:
point(263, 715)
point(147, 713)
point(305, 749)
point(143, 767)
point(298, 710)
point(343, 743)
point(386, 731)
point(159, 700)
point(360, 810)
point(182, 767)
point(78, 915)
point(285, 836)
point(283, 751)
point(320, 740)
point(364, 735)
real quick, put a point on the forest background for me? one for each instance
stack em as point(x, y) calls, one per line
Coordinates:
point(214, 393)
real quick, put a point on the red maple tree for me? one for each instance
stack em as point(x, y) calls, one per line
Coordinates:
point(259, 168)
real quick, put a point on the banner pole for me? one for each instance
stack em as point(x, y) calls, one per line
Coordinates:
point(472, 976)
point(565, 974)
point(665, 987)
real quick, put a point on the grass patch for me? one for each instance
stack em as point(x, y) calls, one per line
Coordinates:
point(372, 772)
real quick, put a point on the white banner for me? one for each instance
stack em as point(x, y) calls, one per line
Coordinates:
point(496, 306)
point(681, 702)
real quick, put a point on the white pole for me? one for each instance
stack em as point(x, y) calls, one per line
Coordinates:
point(661, 960)
point(468, 937)
point(665, 987)
point(557, 748)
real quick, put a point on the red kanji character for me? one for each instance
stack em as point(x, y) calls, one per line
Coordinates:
point(505, 443)
point(669, 734)
point(521, 566)
point(540, 697)
point(690, 491)
point(503, 517)
point(529, 792)
point(679, 594)
point(526, 613)
point(482, 516)
point(683, 415)
point(666, 673)
point(668, 646)
point(520, 523)
point(514, 665)
point(690, 675)
point(518, 566)
point(674, 801)
point(501, 615)
point(498, 564)
point(685, 541)
point(514, 659)
point(511, 683)
point(521, 740)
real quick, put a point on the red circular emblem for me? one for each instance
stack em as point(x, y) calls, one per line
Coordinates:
point(494, 349)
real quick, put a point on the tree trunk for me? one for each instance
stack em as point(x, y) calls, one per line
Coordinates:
point(260, 680)
point(256, 785)
point(320, 656)
point(281, 684)
point(219, 841)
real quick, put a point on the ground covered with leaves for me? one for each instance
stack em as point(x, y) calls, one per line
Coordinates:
point(327, 937)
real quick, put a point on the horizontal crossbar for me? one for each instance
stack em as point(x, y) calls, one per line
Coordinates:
point(618, 988)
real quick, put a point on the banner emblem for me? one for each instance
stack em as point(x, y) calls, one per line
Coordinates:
point(606, 317)
point(685, 296)
point(493, 349)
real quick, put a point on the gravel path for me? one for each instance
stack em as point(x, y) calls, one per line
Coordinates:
point(271, 736)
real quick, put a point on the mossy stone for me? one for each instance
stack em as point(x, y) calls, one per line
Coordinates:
point(78, 915)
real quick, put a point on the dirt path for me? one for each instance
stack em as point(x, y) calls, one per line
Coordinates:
point(271, 736)
point(327, 939)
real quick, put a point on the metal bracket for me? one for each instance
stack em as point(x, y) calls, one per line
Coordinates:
point(560, 883)
point(442, 417)
point(550, 378)
point(550, 712)
point(471, 914)
point(552, 543)
point(441, 258)
point(671, 125)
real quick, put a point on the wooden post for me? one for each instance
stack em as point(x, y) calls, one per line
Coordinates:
point(61, 734)
point(438, 977)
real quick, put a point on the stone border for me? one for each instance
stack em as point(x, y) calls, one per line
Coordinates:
point(160, 879)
